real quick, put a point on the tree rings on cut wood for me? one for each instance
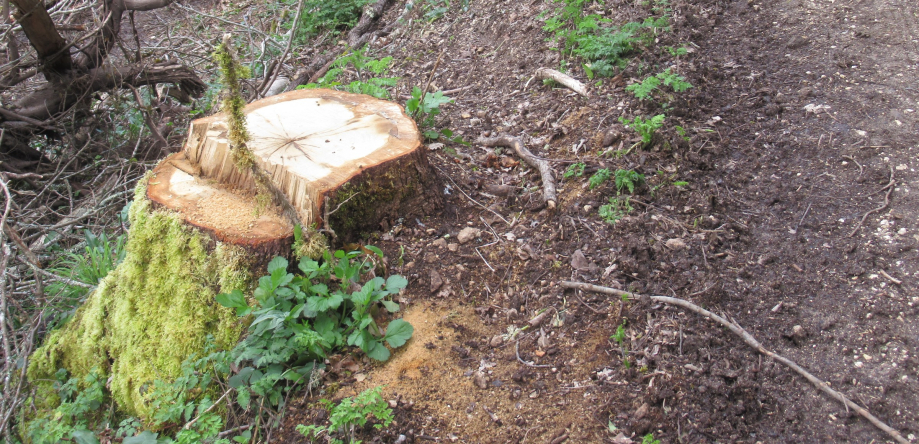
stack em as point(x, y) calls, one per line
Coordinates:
point(352, 157)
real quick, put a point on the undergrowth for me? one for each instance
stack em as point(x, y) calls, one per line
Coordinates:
point(371, 75)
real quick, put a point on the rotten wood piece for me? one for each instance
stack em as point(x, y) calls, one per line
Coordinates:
point(545, 170)
point(563, 79)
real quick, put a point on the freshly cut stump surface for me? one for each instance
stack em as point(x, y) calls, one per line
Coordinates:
point(226, 213)
point(359, 155)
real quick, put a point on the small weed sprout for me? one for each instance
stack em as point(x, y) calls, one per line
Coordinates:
point(628, 179)
point(645, 127)
point(351, 414)
point(424, 108)
point(574, 170)
point(649, 439)
point(598, 178)
point(643, 90)
point(617, 208)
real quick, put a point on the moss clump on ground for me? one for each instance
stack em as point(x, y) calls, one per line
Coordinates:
point(148, 315)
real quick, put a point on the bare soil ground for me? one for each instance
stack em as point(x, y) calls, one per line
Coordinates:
point(802, 125)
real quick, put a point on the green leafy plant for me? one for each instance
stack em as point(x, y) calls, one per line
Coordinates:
point(322, 15)
point(643, 90)
point(574, 170)
point(298, 320)
point(628, 179)
point(645, 127)
point(681, 132)
point(370, 74)
point(100, 256)
point(424, 108)
point(598, 178)
point(617, 208)
point(351, 414)
point(619, 336)
point(649, 439)
point(592, 37)
point(80, 410)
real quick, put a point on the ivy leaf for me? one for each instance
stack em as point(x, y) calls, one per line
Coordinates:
point(398, 332)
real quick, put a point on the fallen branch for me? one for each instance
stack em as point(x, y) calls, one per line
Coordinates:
point(548, 181)
point(751, 341)
point(889, 187)
point(564, 79)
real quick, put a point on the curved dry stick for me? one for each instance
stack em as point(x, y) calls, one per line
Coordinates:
point(889, 187)
point(548, 181)
point(752, 342)
point(564, 79)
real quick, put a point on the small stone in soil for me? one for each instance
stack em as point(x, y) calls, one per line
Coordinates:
point(467, 234)
point(436, 281)
point(480, 380)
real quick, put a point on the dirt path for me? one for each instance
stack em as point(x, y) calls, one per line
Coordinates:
point(802, 113)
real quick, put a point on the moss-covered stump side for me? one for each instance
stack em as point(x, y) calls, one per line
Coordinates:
point(402, 188)
point(152, 312)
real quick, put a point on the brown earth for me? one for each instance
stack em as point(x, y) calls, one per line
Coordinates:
point(801, 115)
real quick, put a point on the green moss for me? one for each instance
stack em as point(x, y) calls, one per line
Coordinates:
point(149, 314)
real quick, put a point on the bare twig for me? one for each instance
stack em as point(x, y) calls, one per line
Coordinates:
point(517, 351)
point(545, 171)
point(752, 342)
point(563, 79)
point(290, 41)
point(889, 187)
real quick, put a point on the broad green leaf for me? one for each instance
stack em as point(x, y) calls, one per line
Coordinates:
point(375, 250)
point(234, 299)
point(398, 332)
point(395, 283)
point(143, 438)
point(85, 437)
point(238, 380)
point(378, 351)
point(391, 306)
point(242, 397)
point(278, 263)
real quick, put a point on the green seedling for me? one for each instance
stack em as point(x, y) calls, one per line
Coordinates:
point(574, 170)
point(643, 90)
point(349, 415)
point(645, 127)
point(617, 208)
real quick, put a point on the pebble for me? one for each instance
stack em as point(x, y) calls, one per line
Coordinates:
point(440, 243)
point(480, 380)
point(467, 234)
point(453, 247)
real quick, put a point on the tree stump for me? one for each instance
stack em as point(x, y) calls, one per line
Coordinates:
point(353, 158)
point(197, 230)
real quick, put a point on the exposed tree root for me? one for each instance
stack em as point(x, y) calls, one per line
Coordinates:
point(548, 181)
point(752, 342)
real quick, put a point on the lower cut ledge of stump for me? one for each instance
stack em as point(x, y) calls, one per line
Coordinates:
point(225, 213)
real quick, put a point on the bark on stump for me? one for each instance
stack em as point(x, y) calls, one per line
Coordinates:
point(353, 157)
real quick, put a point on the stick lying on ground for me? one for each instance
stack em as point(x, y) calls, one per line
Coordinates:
point(564, 79)
point(548, 181)
point(752, 342)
